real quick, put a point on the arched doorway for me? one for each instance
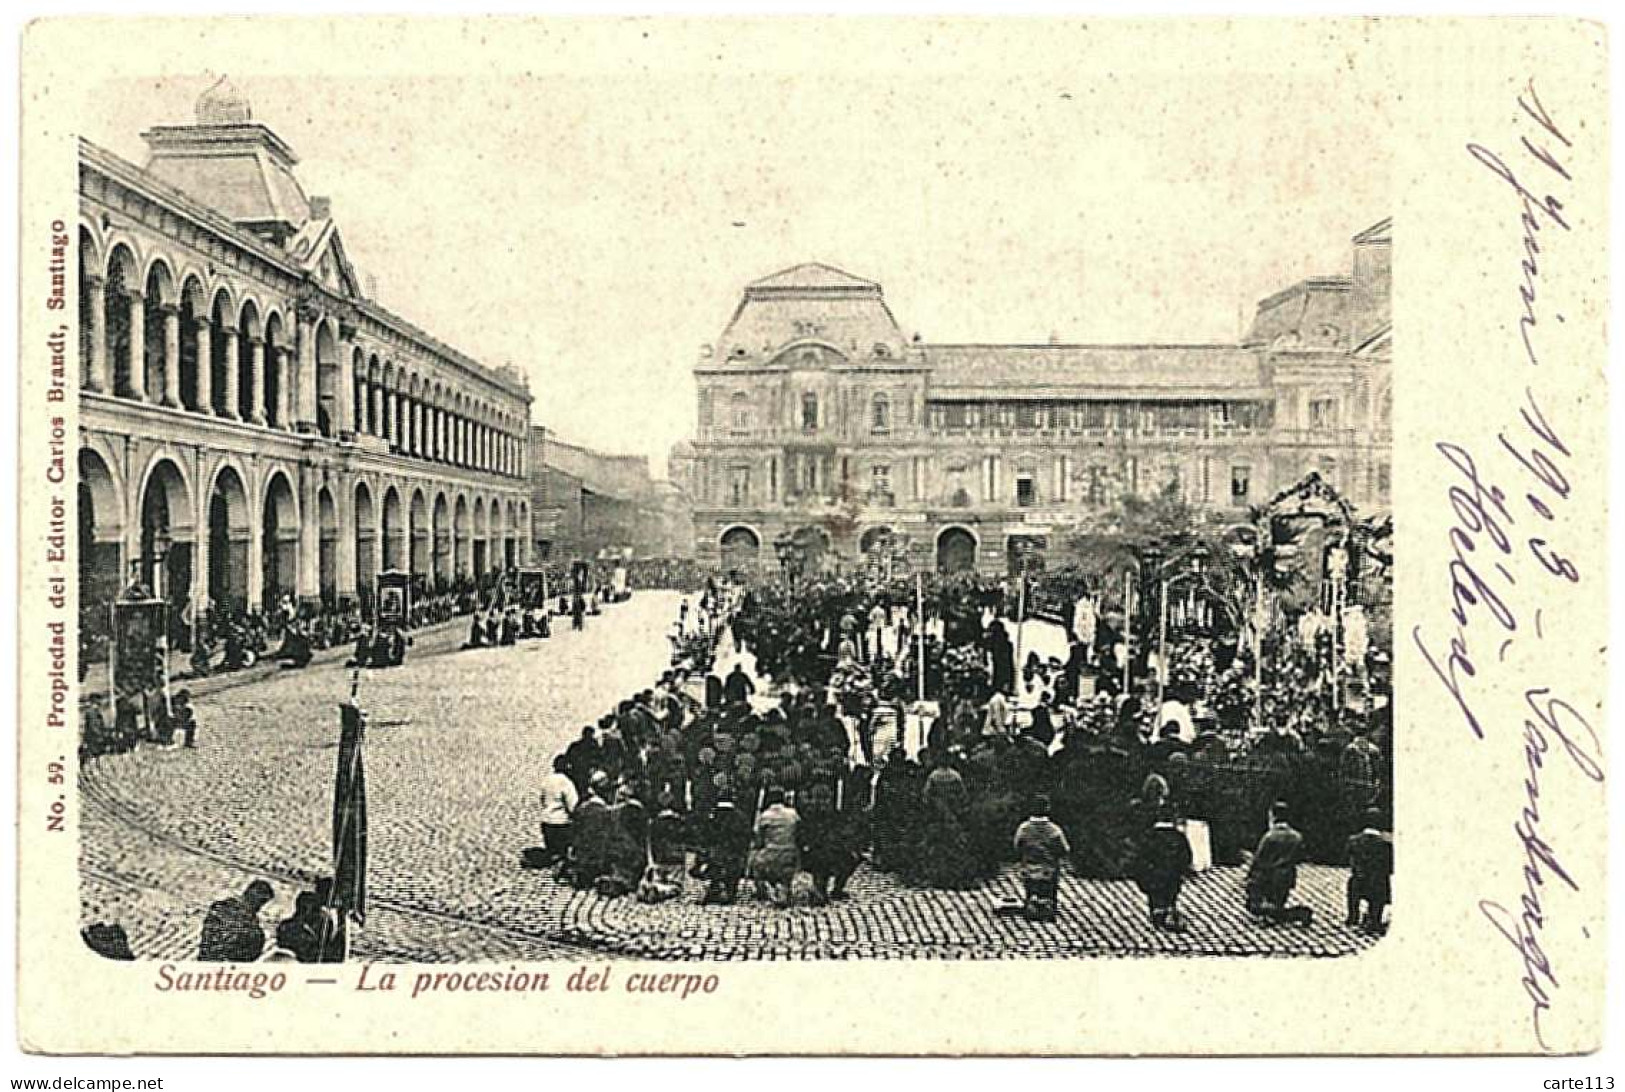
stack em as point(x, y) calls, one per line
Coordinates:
point(221, 359)
point(327, 380)
point(276, 384)
point(101, 536)
point(813, 551)
point(442, 538)
point(393, 531)
point(460, 538)
point(480, 551)
point(159, 293)
point(956, 551)
point(90, 265)
point(366, 534)
point(249, 340)
point(228, 541)
point(164, 561)
point(279, 541)
point(740, 548)
point(194, 369)
point(327, 548)
point(420, 534)
point(119, 312)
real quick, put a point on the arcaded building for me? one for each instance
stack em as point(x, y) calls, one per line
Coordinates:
point(253, 427)
point(817, 412)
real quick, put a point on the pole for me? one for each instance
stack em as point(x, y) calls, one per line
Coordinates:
point(919, 628)
point(1162, 641)
point(1021, 619)
point(1258, 651)
point(1128, 627)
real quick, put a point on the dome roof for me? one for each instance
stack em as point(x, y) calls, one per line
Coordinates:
point(223, 104)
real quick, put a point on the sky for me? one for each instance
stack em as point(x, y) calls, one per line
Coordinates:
point(596, 230)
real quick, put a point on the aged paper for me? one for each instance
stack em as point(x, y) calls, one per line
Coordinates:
point(950, 465)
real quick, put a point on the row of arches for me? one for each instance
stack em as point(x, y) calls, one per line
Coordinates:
point(159, 332)
point(256, 542)
point(418, 415)
point(740, 545)
point(152, 335)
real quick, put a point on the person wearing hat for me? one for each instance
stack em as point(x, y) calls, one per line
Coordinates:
point(730, 830)
point(1371, 870)
point(1165, 856)
point(231, 929)
point(1274, 871)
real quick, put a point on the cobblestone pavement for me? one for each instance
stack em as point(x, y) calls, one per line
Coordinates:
point(457, 742)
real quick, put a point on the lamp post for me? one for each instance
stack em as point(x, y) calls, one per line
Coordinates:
point(154, 556)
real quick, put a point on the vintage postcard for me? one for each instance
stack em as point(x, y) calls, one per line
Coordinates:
point(820, 536)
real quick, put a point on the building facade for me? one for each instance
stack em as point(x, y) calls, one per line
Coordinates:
point(818, 419)
point(252, 426)
point(585, 501)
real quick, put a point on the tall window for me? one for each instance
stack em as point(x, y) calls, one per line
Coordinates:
point(739, 486)
point(809, 412)
point(1026, 490)
point(880, 419)
point(880, 486)
point(1323, 413)
point(1241, 484)
point(739, 412)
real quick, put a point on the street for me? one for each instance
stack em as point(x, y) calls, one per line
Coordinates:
point(456, 744)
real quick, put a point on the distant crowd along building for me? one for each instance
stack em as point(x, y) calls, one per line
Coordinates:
point(820, 421)
point(588, 503)
point(253, 427)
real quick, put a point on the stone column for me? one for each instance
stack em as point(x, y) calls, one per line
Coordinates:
point(256, 380)
point(229, 411)
point(282, 359)
point(171, 365)
point(344, 396)
point(138, 346)
point(254, 585)
point(204, 335)
point(95, 339)
point(305, 371)
point(344, 555)
point(307, 581)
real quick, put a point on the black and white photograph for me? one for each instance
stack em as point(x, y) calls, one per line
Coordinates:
point(991, 575)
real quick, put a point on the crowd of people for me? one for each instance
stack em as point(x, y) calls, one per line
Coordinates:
point(809, 766)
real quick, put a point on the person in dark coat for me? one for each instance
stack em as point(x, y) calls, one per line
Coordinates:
point(1274, 872)
point(1165, 857)
point(301, 932)
point(597, 834)
point(231, 929)
point(738, 688)
point(1371, 870)
point(731, 832)
point(948, 859)
point(825, 850)
point(1004, 658)
point(582, 757)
